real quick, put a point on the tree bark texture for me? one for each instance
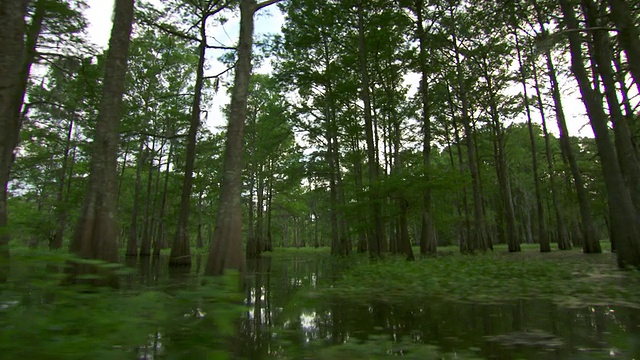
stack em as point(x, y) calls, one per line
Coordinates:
point(132, 240)
point(479, 230)
point(588, 229)
point(96, 232)
point(12, 57)
point(543, 238)
point(61, 207)
point(628, 36)
point(150, 204)
point(376, 237)
point(226, 250)
point(625, 222)
point(512, 240)
point(158, 243)
point(602, 56)
point(180, 249)
point(428, 245)
point(561, 228)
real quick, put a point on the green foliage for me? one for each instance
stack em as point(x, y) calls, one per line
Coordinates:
point(42, 318)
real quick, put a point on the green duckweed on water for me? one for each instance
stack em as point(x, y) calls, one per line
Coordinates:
point(567, 278)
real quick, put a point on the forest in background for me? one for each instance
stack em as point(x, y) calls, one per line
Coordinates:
point(332, 148)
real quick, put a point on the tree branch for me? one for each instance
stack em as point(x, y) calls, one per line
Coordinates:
point(223, 72)
point(172, 32)
point(265, 4)
point(221, 47)
point(131, 132)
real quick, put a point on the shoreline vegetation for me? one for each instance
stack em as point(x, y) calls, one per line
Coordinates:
point(567, 278)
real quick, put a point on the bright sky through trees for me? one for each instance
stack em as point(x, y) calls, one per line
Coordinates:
point(268, 21)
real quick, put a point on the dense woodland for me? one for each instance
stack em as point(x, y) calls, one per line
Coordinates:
point(382, 125)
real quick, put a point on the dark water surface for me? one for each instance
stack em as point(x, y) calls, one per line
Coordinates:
point(286, 319)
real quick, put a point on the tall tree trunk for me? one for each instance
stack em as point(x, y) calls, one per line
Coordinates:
point(61, 207)
point(479, 230)
point(159, 242)
point(628, 35)
point(268, 244)
point(404, 243)
point(561, 229)
point(588, 229)
point(393, 230)
point(513, 243)
point(357, 174)
point(259, 212)
point(148, 219)
point(501, 167)
point(132, 241)
point(12, 59)
point(13, 93)
point(333, 195)
point(226, 250)
point(601, 54)
point(250, 251)
point(180, 249)
point(428, 244)
point(121, 176)
point(332, 156)
point(340, 241)
point(96, 232)
point(199, 240)
point(626, 102)
point(543, 238)
point(376, 237)
point(344, 241)
point(465, 231)
point(316, 239)
point(625, 222)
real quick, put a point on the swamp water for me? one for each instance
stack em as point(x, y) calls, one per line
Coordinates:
point(286, 316)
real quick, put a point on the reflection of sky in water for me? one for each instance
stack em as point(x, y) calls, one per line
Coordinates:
point(311, 280)
point(154, 348)
point(301, 325)
point(251, 314)
point(278, 323)
point(252, 295)
point(8, 304)
point(197, 313)
point(307, 321)
point(606, 311)
point(308, 325)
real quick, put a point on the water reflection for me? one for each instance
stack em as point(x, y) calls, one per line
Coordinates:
point(153, 349)
point(283, 321)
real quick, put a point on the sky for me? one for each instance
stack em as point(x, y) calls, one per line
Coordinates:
point(270, 20)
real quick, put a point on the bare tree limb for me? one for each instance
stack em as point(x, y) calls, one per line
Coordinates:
point(131, 132)
point(265, 4)
point(222, 72)
point(221, 47)
point(172, 31)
